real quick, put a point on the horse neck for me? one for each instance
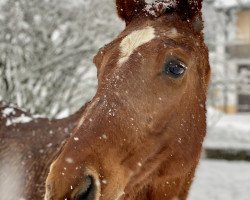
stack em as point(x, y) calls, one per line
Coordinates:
point(41, 138)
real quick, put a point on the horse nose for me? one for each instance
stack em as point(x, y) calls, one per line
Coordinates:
point(89, 190)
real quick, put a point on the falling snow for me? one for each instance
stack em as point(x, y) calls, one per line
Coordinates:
point(155, 8)
point(69, 160)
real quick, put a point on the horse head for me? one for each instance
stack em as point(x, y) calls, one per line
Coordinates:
point(141, 135)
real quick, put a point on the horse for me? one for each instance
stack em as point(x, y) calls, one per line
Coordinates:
point(28, 145)
point(141, 136)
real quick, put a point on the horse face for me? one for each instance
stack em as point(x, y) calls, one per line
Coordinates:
point(147, 117)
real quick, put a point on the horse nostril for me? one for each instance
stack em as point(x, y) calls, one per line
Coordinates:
point(88, 191)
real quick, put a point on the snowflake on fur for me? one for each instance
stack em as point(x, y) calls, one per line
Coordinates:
point(156, 8)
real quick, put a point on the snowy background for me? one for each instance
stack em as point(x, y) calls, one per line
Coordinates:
point(46, 51)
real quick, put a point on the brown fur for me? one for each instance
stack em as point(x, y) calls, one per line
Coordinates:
point(33, 145)
point(188, 10)
point(141, 136)
point(128, 9)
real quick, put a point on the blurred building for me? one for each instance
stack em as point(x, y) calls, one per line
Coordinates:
point(231, 56)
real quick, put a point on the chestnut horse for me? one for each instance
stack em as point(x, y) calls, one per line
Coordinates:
point(28, 145)
point(141, 136)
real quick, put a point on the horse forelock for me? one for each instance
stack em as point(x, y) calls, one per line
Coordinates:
point(156, 8)
point(186, 9)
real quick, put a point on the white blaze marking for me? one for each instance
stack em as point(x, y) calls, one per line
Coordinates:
point(134, 40)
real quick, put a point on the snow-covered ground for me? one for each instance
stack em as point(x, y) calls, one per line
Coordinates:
point(218, 179)
point(228, 131)
point(221, 180)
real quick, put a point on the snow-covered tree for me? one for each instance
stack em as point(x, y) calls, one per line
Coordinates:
point(46, 51)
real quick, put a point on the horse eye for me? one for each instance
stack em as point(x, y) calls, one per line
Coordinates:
point(174, 68)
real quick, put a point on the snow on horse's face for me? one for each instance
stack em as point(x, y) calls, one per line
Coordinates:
point(141, 135)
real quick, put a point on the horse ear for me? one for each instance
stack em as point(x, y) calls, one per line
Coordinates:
point(127, 9)
point(189, 9)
